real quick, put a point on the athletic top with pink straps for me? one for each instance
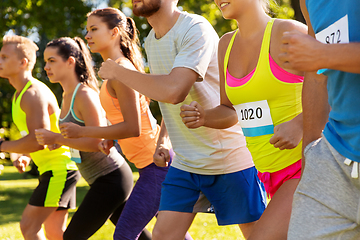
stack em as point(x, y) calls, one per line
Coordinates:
point(138, 150)
point(266, 97)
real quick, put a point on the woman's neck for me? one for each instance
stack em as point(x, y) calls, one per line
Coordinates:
point(113, 53)
point(69, 85)
point(252, 22)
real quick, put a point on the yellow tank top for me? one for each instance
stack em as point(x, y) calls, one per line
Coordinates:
point(263, 101)
point(46, 160)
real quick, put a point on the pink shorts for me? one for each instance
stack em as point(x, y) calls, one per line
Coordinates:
point(273, 181)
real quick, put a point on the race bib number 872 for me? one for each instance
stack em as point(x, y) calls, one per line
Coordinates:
point(338, 32)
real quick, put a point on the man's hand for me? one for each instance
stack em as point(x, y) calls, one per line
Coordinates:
point(107, 69)
point(300, 52)
point(21, 163)
point(193, 115)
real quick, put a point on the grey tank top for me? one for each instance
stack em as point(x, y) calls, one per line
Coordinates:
point(93, 164)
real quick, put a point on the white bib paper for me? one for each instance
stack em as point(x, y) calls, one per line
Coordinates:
point(337, 32)
point(255, 118)
point(75, 155)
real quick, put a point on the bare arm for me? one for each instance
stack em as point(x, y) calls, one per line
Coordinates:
point(35, 105)
point(87, 107)
point(172, 88)
point(342, 57)
point(162, 153)
point(315, 106)
point(130, 127)
point(130, 109)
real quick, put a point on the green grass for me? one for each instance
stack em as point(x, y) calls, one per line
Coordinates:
point(15, 190)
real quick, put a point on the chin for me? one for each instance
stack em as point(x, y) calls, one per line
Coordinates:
point(93, 49)
point(51, 80)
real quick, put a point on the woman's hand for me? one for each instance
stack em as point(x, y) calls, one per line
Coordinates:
point(105, 146)
point(287, 135)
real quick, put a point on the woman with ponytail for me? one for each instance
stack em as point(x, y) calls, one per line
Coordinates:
point(68, 62)
point(114, 36)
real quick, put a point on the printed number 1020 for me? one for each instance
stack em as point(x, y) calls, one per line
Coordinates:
point(249, 114)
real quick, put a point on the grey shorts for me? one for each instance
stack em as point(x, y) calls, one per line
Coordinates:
point(327, 200)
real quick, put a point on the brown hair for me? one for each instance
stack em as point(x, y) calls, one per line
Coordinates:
point(75, 47)
point(129, 41)
point(25, 48)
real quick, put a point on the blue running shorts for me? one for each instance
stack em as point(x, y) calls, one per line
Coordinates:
point(237, 197)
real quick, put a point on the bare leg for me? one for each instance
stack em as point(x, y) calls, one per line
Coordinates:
point(32, 219)
point(55, 225)
point(274, 222)
point(172, 225)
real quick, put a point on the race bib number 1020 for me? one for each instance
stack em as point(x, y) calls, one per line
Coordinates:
point(255, 118)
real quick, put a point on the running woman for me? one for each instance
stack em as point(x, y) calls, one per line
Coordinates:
point(68, 62)
point(265, 99)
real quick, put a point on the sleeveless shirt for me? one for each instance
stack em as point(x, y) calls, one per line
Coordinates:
point(92, 164)
point(45, 160)
point(262, 101)
point(138, 150)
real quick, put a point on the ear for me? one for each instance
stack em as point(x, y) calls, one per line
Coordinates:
point(115, 32)
point(71, 61)
point(24, 62)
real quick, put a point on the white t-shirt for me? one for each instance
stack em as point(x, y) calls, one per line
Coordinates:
point(192, 43)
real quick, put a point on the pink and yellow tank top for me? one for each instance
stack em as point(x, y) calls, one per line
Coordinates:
point(138, 150)
point(266, 97)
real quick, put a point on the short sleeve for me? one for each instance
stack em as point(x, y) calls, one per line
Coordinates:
point(197, 48)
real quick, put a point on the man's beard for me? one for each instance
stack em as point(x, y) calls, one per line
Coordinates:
point(148, 9)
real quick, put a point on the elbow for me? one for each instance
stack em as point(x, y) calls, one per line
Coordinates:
point(177, 98)
point(174, 95)
point(135, 132)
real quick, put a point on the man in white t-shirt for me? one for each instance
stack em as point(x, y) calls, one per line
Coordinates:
point(182, 56)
